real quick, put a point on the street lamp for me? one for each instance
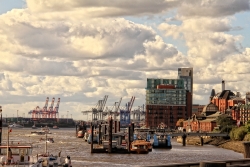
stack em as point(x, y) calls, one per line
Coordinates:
point(17, 116)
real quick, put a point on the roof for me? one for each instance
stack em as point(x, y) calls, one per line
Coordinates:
point(210, 108)
point(225, 94)
point(15, 146)
point(215, 115)
point(208, 120)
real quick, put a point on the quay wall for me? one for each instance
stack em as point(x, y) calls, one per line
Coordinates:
point(229, 144)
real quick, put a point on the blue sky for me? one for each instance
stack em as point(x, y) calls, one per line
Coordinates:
point(82, 50)
point(7, 5)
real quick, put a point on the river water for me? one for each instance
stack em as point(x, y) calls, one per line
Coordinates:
point(79, 151)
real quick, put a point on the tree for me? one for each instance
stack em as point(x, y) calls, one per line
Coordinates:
point(179, 123)
point(225, 122)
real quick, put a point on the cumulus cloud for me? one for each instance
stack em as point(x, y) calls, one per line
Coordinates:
point(212, 8)
point(101, 8)
point(83, 50)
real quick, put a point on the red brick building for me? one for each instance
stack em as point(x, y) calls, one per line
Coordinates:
point(205, 122)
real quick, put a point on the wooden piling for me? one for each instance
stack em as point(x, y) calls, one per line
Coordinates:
point(100, 134)
point(110, 135)
point(92, 137)
point(119, 126)
point(115, 126)
point(246, 149)
point(184, 136)
point(132, 131)
point(201, 140)
point(213, 164)
point(129, 139)
point(76, 130)
point(105, 130)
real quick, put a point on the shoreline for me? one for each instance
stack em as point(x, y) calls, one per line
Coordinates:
point(228, 144)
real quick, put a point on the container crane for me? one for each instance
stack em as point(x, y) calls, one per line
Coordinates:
point(55, 113)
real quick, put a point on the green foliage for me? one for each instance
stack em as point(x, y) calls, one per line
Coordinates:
point(247, 126)
point(247, 137)
point(225, 123)
point(238, 133)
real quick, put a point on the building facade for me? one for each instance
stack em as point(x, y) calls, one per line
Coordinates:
point(167, 101)
point(197, 109)
point(204, 122)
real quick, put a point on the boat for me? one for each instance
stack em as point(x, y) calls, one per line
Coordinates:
point(162, 141)
point(21, 155)
point(49, 140)
point(139, 147)
point(14, 125)
point(43, 131)
point(80, 133)
point(146, 138)
point(17, 154)
point(34, 126)
point(55, 127)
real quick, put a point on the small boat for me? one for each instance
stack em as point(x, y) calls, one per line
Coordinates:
point(43, 131)
point(80, 133)
point(49, 140)
point(139, 147)
point(34, 126)
point(55, 127)
point(14, 125)
point(17, 154)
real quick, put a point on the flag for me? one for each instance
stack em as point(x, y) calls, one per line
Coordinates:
point(10, 130)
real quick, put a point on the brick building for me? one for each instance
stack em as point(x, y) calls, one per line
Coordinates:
point(206, 121)
point(167, 101)
point(197, 109)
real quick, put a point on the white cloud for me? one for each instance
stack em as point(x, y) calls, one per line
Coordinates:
point(83, 50)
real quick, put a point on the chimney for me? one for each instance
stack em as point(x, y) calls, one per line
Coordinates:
point(223, 85)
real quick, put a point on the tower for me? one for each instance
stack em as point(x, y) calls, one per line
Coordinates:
point(187, 75)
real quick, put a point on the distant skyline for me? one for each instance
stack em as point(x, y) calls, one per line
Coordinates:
point(80, 51)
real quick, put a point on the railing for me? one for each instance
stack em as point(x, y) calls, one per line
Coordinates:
point(227, 163)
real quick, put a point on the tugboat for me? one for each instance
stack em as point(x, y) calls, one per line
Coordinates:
point(139, 147)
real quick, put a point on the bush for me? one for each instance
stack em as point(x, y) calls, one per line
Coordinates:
point(238, 133)
point(247, 137)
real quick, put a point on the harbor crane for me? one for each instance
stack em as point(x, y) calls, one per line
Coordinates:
point(45, 112)
point(97, 112)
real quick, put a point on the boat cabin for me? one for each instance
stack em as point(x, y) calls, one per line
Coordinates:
point(17, 153)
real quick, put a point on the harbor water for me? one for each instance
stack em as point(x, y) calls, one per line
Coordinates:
point(79, 150)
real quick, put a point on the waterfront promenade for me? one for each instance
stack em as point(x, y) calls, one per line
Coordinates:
point(79, 151)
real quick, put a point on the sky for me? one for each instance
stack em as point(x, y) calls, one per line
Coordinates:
point(80, 51)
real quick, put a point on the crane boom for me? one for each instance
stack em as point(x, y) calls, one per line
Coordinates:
point(46, 104)
point(131, 103)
